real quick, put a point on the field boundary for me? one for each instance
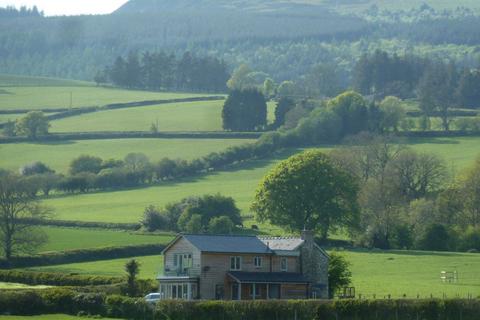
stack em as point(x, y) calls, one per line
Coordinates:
point(52, 137)
point(82, 255)
point(69, 112)
point(83, 224)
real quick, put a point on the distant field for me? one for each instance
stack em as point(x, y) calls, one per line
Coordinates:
point(58, 155)
point(60, 239)
point(150, 267)
point(127, 206)
point(191, 116)
point(82, 96)
point(413, 272)
point(11, 80)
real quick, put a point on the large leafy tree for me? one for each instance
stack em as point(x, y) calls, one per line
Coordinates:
point(244, 110)
point(34, 124)
point(308, 191)
point(352, 109)
point(18, 203)
point(339, 274)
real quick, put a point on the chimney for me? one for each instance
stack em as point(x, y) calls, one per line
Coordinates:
point(308, 236)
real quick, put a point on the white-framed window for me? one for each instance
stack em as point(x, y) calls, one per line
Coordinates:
point(284, 264)
point(257, 262)
point(182, 261)
point(235, 263)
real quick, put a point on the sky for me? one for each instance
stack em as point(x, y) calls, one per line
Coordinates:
point(68, 7)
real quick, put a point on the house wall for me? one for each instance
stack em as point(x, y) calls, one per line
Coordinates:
point(183, 246)
point(215, 266)
point(314, 266)
point(293, 264)
point(294, 291)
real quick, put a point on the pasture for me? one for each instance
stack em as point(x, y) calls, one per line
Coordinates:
point(379, 273)
point(48, 97)
point(239, 183)
point(46, 317)
point(58, 155)
point(60, 239)
point(150, 267)
point(413, 273)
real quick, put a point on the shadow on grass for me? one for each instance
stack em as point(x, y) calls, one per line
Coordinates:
point(53, 143)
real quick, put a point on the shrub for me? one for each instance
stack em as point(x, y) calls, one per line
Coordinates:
point(54, 279)
point(220, 225)
point(470, 240)
point(154, 220)
point(435, 238)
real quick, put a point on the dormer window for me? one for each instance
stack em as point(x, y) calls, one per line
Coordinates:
point(235, 263)
point(284, 265)
point(257, 261)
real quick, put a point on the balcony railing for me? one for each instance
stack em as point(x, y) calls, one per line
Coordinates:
point(186, 272)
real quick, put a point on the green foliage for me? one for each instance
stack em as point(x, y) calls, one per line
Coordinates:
point(132, 268)
point(55, 279)
point(33, 125)
point(308, 191)
point(284, 105)
point(244, 110)
point(339, 274)
point(435, 238)
point(86, 164)
point(153, 219)
point(220, 225)
point(352, 110)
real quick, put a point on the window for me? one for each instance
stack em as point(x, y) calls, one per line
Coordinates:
point(284, 264)
point(183, 261)
point(255, 291)
point(257, 261)
point(235, 263)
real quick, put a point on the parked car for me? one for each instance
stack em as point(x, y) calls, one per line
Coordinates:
point(152, 298)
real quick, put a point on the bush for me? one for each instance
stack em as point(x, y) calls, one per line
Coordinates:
point(220, 225)
point(435, 238)
point(470, 240)
point(154, 220)
point(55, 279)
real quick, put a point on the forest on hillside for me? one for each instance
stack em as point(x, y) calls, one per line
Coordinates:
point(283, 40)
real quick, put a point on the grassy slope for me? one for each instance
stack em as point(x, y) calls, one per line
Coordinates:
point(59, 97)
point(58, 155)
point(192, 116)
point(73, 238)
point(355, 6)
point(12, 80)
point(401, 272)
point(413, 272)
point(127, 206)
point(150, 267)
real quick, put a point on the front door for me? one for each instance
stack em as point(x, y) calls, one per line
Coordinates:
point(273, 291)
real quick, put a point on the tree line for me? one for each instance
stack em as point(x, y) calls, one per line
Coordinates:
point(23, 11)
point(163, 71)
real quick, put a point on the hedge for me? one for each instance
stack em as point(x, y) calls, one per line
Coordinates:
point(70, 302)
point(83, 255)
point(55, 279)
point(83, 224)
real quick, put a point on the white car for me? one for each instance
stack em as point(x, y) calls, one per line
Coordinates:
point(152, 298)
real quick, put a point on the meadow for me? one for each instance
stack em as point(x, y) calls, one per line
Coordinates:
point(239, 183)
point(58, 155)
point(150, 267)
point(187, 116)
point(408, 273)
point(55, 97)
point(60, 239)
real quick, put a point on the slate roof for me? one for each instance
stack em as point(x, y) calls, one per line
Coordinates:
point(268, 277)
point(282, 243)
point(228, 244)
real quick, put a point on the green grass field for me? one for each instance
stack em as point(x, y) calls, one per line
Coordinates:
point(192, 116)
point(58, 155)
point(350, 6)
point(60, 239)
point(413, 272)
point(127, 206)
point(43, 97)
point(380, 273)
point(12, 80)
point(150, 267)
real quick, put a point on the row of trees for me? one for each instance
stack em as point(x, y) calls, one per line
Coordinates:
point(439, 86)
point(23, 11)
point(163, 71)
